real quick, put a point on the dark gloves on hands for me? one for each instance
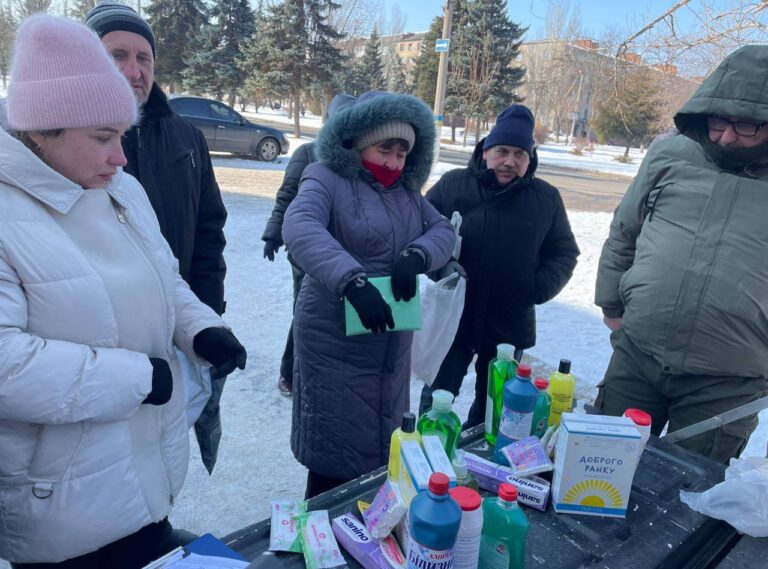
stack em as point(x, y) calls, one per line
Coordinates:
point(375, 314)
point(162, 383)
point(404, 273)
point(221, 349)
point(270, 248)
point(452, 266)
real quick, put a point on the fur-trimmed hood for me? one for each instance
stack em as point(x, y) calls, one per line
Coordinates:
point(334, 143)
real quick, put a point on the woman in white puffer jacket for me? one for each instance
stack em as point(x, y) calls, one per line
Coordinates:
point(93, 434)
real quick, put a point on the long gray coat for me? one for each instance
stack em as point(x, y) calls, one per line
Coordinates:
point(350, 392)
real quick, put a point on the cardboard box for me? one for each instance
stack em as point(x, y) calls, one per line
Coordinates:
point(438, 459)
point(532, 491)
point(595, 460)
point(369, 552)
point(414, 470)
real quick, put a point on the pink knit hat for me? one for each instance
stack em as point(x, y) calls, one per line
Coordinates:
point(63, 77)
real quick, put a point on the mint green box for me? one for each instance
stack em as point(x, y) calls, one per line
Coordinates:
point(406, 314)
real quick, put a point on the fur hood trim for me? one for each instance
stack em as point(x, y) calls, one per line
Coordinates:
point(334, 143)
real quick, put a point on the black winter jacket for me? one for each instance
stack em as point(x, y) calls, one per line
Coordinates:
point(517, 248)
point(303, 157)
point(169, 156)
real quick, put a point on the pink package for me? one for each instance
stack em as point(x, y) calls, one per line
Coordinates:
point(386, 510)
point(369, 552)
point(527, 457)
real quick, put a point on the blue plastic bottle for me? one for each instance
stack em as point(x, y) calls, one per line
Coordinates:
point(520, 397)
point(433, 525)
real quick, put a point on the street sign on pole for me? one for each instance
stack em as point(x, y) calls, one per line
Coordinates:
point(441, 45)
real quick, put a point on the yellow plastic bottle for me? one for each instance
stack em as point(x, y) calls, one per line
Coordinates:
point(561, 387)
point(407, 431)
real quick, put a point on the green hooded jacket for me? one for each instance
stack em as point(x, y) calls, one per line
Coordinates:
point(686, 260)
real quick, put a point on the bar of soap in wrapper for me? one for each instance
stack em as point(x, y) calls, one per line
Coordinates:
point(284, 533)
point(387, 508)
point(369, 552)
point(317, 541)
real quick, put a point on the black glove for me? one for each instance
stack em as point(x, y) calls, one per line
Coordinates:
point(162, 383)
point(270, 248)
point(452, 266)
point(375, 314)
point(404, 273)
point(221, 349)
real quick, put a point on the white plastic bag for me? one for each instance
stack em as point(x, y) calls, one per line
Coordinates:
point(197, 386)
point(441, 306)
point(741, 499)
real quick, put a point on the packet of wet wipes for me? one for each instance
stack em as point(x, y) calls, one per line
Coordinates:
point(387, 509)
point(317, 541)
point(283, 532)
point(527, 457)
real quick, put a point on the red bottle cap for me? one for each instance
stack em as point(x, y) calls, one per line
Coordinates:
point(541, 383)
point(638, 417)
point(508, 492)
point(468, 499)
point(438, 483)
point(524, 370)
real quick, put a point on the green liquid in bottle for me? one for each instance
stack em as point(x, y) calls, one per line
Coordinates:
point(441, 421)
point(501, 369)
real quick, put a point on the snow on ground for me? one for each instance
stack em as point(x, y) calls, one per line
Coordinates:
point(255, 462)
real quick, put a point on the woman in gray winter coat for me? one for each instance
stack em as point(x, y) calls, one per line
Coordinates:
point(94, 444)
point(359, 214)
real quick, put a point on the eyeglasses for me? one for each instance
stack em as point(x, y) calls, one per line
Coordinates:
point(742, 128)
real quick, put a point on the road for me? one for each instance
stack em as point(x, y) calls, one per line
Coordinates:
point(581, 190)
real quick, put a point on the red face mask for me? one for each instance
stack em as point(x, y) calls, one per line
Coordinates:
point(382, 175)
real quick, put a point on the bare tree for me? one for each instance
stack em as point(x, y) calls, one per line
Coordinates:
point(25, 8)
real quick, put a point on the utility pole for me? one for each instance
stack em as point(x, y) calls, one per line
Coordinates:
point(442, 73)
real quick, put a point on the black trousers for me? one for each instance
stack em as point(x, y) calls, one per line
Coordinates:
point(318, 483)
point(131, 552)
point(286, 362)
point(451, 376)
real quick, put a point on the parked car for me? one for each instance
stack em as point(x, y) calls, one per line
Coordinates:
point(226, 130)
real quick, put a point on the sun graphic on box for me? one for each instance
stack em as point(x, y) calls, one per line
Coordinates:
point(594, 493)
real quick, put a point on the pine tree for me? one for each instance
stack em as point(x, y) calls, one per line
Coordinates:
point(368, 72)
point(294, 53)
point(7, 33)
point(631, 114)
point(397, 76)
point(482, 80)
point(176, 24)
point(425, 76)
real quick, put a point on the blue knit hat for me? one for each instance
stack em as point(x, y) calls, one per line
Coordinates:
point(514, 127)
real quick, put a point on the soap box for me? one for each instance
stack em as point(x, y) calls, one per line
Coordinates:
point(369, 552)
point(437, 457)
point(532, 491)
point(414, 470)
point(595, 460)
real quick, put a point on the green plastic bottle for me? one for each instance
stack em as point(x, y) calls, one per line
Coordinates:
point(541, 411)
point(501, 369)
point(406, 432)
point(505, 530)
point(440, 420)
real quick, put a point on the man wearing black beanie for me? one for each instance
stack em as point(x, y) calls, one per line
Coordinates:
point(517, 250)
point(169, 156)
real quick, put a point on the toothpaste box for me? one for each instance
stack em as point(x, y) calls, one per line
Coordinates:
point(414, 471)
point(532, 491)
point(437, 457)
point(369, 552)
point(595, 460)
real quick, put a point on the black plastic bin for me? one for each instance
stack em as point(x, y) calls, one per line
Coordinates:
point(658, 532)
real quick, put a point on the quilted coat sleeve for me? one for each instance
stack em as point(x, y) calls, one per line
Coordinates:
point(305, 232)
point(558, 255)
point(618, 252)
point(58, 382)
point(438, 238)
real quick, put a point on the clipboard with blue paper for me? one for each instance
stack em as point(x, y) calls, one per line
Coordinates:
point(406, 314)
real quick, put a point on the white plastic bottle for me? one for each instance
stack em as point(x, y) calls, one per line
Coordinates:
point(466, 553)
